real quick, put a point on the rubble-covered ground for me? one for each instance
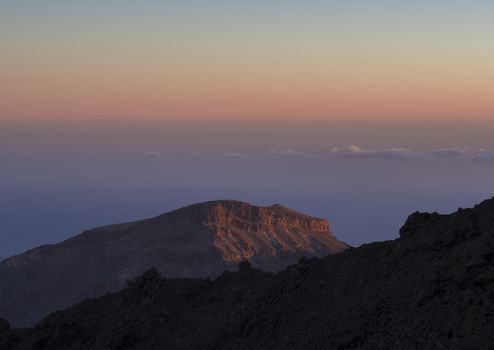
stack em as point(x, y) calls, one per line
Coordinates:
point(433, 288)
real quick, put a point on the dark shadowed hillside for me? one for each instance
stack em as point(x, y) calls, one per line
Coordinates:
point(201, 240)
point(431, 289)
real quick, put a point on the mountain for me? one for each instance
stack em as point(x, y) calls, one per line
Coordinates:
point(201, 240)
point(433, 288)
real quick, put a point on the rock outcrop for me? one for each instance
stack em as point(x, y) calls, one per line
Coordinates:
point(201, 240)
point(433, 288)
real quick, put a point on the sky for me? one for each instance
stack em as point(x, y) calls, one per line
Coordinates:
point(361, 112)
point(230, 59)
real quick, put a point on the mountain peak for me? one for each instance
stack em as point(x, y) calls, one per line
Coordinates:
point(199, 240)
point(243, 231)
point(237, 206)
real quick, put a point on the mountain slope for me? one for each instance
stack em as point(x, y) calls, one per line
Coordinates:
point(200, 240)
point(431, 289)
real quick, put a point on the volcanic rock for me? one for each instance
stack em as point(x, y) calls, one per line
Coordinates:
point(378, 296)
point(201, 240)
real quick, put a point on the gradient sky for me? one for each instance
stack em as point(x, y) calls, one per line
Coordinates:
point(93, 59)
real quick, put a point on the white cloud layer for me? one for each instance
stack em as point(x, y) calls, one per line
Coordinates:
point(292, 153)
point(154, 154)
point(354, 151)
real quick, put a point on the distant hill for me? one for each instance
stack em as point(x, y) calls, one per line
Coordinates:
point(433, 288)
point(200, 240)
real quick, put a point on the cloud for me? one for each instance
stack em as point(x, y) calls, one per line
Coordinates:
point(267, 155)
point(481, 154)
point(292, 153)
point(154, 154)
point(171, 155)
point(451, 152)
point(241, 155)
point(354, 151)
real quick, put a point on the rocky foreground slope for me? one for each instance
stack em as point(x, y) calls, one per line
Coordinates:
point(201, 240)
point(433, 288)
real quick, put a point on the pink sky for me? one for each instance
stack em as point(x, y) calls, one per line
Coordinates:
point(259, 60)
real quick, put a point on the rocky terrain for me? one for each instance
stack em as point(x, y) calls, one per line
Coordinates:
point(201, 240)
point(433, 288)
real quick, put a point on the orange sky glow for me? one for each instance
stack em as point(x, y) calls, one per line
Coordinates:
point(392, 65)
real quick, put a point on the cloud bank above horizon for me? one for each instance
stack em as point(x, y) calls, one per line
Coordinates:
point(350, 152)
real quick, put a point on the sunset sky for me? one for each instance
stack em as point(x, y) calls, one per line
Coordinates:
point(229, 59)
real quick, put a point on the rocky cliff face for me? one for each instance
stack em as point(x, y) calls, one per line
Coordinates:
point(256, 234)
point(433, 288)
point(201, 240)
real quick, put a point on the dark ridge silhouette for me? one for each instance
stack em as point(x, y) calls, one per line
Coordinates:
point(433, 288)
point(200, 240)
